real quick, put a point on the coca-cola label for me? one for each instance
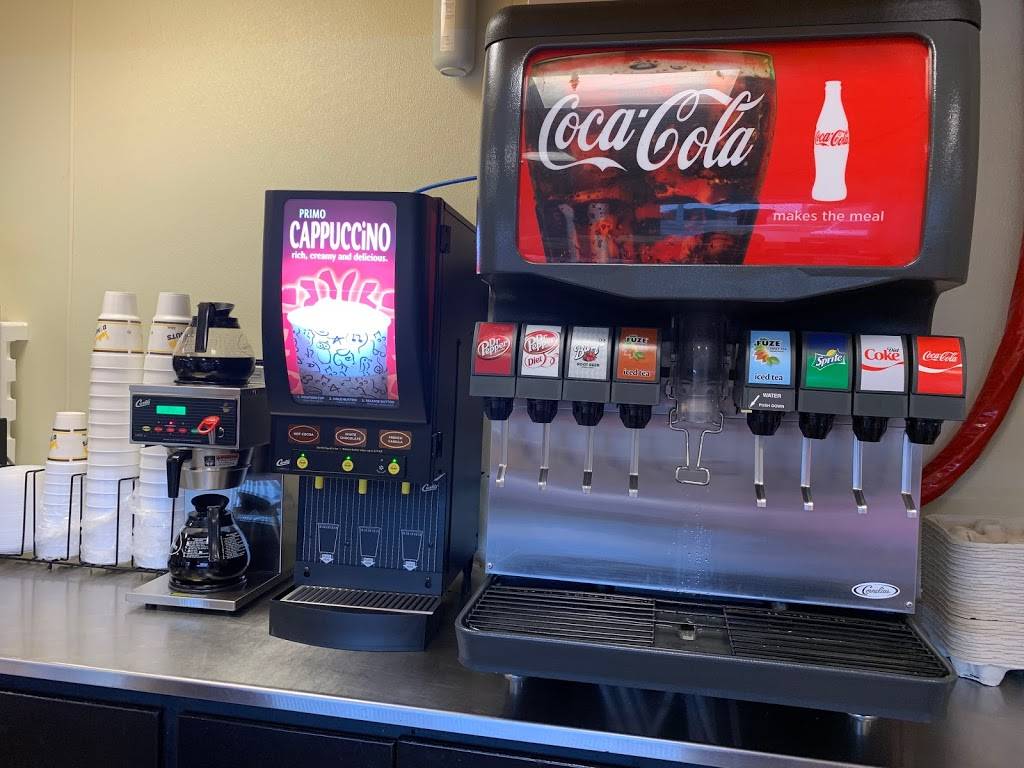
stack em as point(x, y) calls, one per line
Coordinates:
point(770, 358)
point(940, 366)
point(494, 349)
point(541, 351)
point(588, 353)
point(636, 355)
point(882, 364)
point(683, 155)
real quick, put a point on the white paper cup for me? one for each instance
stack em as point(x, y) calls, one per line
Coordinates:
point(112, 444)
point(159, 378)
point(163, 338)
point(154, 504)
point(110, 417)
point(98, 472)
point(117, 336)
point(68, 445)
point(119, 305)
point(107, 487)
point(173, 307)
point(69, 420)
point(101, 431)
point(103, 360)
point(161, 363)
point(108, 389)
point(151, 489)
point(341, 349)
point(114, 459)
point(64, 469)
point(109, 402)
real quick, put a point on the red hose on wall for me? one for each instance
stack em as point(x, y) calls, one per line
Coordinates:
point(990, 407)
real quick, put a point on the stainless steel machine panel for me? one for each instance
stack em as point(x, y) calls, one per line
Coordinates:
point(712, 539)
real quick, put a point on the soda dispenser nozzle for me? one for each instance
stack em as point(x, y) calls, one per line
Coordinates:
point(879, 395)
point(634, 418)
point(765, 392)
point(543, 412)
point(636, 387)
point(587, 373)
point(826, 383)
point(937, 394)
point(499, 409)
point(493, 377)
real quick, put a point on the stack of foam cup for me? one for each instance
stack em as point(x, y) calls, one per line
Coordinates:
point(157, 517)
point(113, 460)
point(19, 499)
point(173, 312)
point(57, 519)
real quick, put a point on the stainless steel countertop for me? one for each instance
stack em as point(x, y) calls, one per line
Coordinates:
point(74, 625)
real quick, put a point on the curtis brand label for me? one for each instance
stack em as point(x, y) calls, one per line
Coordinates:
point(770, 358)
point(636, 355)
point(827, 361)
point(940, 366)
point(588, 354)
point(494, 353)
point(541, 351)
point(882, 364)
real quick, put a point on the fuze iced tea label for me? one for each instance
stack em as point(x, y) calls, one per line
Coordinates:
point(882, 364)
point(770, 358)
point(636, 355)
point(940, 366)
point(588, 353)
point(494, 351)
point(827, 361)
point(541, 351)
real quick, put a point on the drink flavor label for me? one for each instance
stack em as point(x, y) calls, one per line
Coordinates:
point(589, 350)
point(636, 355)
point(494, 352)
point(541, 351)
point(770, 359)
point(827, 361)
point(882, 364)
point(940, 366)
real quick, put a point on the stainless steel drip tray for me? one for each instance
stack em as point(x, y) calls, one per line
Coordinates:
point(848, 661)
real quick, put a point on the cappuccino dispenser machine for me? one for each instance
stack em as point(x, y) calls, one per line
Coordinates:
point(715, 246)
point(368, 310)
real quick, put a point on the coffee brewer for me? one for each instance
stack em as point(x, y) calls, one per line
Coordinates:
point(235, 544)
point(699, 320)
point(368, 309)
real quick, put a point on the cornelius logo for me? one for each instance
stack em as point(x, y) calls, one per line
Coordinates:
point(493, 348)
point(540, 342)
point(875, 590)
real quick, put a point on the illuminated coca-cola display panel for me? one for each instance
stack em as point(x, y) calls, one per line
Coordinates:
point(787, 153)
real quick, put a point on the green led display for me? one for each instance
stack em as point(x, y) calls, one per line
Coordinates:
point(171, 410)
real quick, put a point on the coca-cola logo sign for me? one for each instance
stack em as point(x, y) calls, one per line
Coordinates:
point(666, 133)
point(493, 348)
point(941, 357)
point(836, 138)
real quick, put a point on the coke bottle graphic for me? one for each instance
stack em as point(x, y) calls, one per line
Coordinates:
point(831, 146)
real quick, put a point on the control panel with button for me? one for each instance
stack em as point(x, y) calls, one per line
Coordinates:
point(185, 420)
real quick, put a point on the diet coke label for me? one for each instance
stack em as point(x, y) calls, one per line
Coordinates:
point(940, 366)
point(588, 354)
point(494, 349)
point(882, 364)
point(541, 351)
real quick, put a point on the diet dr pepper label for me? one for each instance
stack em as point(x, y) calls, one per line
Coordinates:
point(541, 351)
point(494, 353)
point(940, 366)
point(828, 361)
point(636, 355)
point(588, 354)
point(882, 364)
point(770, 358)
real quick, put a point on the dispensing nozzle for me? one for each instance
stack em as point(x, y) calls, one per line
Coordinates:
point(543, 412)
point(763, 424)
point(634, 418)
point(588, 415)
point(499, 409)
point(813, 426)
point(866, 429)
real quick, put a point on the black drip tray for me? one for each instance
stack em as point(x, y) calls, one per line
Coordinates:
point(814, 657)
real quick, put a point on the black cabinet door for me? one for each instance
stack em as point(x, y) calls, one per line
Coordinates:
point(43, 732)
point(207, 742)
point(416, 754)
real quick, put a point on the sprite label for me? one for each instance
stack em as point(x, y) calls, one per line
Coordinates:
point(828, 361)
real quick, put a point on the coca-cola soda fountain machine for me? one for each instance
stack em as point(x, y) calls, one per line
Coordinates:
point(715, 245)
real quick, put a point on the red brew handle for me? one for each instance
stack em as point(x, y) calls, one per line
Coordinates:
point(207, 425)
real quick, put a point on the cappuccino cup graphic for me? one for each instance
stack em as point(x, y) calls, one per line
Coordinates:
point(341, 349)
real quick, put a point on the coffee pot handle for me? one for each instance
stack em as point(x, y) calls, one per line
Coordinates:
point(204, 319)
point(174, 464)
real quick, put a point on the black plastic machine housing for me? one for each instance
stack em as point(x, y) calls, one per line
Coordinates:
point(749, 650)
point(388, 496)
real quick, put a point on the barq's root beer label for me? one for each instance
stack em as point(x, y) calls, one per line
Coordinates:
point(940, 366)
point(541, 353)
point(636, 355)
point(494, 352)
point(589, 350)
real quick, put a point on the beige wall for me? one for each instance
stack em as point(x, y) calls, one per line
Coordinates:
point(136, 140)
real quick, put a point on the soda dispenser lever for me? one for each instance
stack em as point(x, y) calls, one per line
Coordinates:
point(826, 384)
point(636, 388)
point(587, 385)
point(937, 394)
point(493, 377)
point(540, 382)
point(880, 394)
point(765, 392)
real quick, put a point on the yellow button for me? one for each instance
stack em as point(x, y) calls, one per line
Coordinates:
point(362, 487)
point(302, 462)
point(318, 482)
point(347, 465)
point(406, 487)
point(394, 468)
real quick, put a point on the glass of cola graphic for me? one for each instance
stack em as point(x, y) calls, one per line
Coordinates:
point(341, 348)
point(648, 156)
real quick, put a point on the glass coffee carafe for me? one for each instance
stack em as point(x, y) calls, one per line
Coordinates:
point(213, 349)
point(210, 553)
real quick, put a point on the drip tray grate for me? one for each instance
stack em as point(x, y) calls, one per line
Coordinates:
point(336, 597)
point(830, 639)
